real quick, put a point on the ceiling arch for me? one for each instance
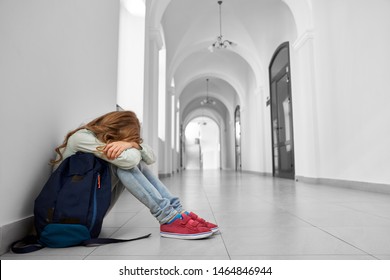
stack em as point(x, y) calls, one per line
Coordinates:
point(191, 26)
point(219, 89)
point(201, 76)
point(209, 114)
point(202, 47)
point(302, 13)
point(155, 10)
point(301, 9)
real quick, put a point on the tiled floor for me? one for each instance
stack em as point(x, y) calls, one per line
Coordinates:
point(259, 217)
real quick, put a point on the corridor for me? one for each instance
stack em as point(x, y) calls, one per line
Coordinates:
point(260, 218)
point(286, 88)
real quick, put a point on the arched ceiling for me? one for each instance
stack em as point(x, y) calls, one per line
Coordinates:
point(218, 90)
point(224, 64)
point(191, 26)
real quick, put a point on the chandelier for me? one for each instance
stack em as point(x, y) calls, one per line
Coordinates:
point(220, 43)
point(207, 100)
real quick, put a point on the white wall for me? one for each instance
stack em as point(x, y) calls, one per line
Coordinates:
point(275, 27)
point(352, 66)
point(256, 134)
point(208, 133)
point(340, 100)
point(339, 71)
point(192, 153)
point(210, 142)
point(131, 58)
point(58, 68)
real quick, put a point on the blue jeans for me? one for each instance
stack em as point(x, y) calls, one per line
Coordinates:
point(149, 190)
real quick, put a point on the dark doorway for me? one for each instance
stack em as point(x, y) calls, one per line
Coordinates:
point(281, 113)
point(237, 132)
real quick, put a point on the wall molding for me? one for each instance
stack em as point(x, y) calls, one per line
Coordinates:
point(303, 39)
point(156, 37)
point(355, 185)
point(15, 231)
point(164, 175)
point(266, 174)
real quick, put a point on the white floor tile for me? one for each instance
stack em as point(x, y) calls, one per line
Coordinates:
point(259, 218)
point(285, 241)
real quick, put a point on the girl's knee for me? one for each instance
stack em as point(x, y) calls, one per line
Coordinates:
point(123, 172)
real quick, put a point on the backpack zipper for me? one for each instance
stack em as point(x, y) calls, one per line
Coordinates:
point(94, 211)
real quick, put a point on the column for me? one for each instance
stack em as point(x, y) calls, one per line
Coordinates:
point(168, 132)
point(153, 45)
point(306, 134)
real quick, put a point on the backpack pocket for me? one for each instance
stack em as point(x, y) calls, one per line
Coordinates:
point(74, 201)
point(64, 235)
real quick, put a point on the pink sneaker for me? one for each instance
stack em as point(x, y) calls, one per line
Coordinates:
point(184, 228)
point(203, 223)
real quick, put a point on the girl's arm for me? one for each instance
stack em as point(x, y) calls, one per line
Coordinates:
point(85, 141)
point(147, 154)
point(114, 150)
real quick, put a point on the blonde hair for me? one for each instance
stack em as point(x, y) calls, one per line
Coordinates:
point(111, 127)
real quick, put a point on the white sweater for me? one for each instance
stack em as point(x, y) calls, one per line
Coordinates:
point(85, 141)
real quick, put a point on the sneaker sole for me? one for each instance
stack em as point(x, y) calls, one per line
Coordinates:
point(214, 230)
point(186, 236)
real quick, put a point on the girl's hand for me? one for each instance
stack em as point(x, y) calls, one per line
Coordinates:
point(114, 149)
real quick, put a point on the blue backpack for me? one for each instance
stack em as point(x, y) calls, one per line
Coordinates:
point(70, 208)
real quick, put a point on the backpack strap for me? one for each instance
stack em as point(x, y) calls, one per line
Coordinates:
point(101, 241)
point(26, 245)
point(31, 243)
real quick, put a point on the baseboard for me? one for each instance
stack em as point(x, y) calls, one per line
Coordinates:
point(267, 174)
point(9, 233)
point(362, 186)
point(164, 175)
